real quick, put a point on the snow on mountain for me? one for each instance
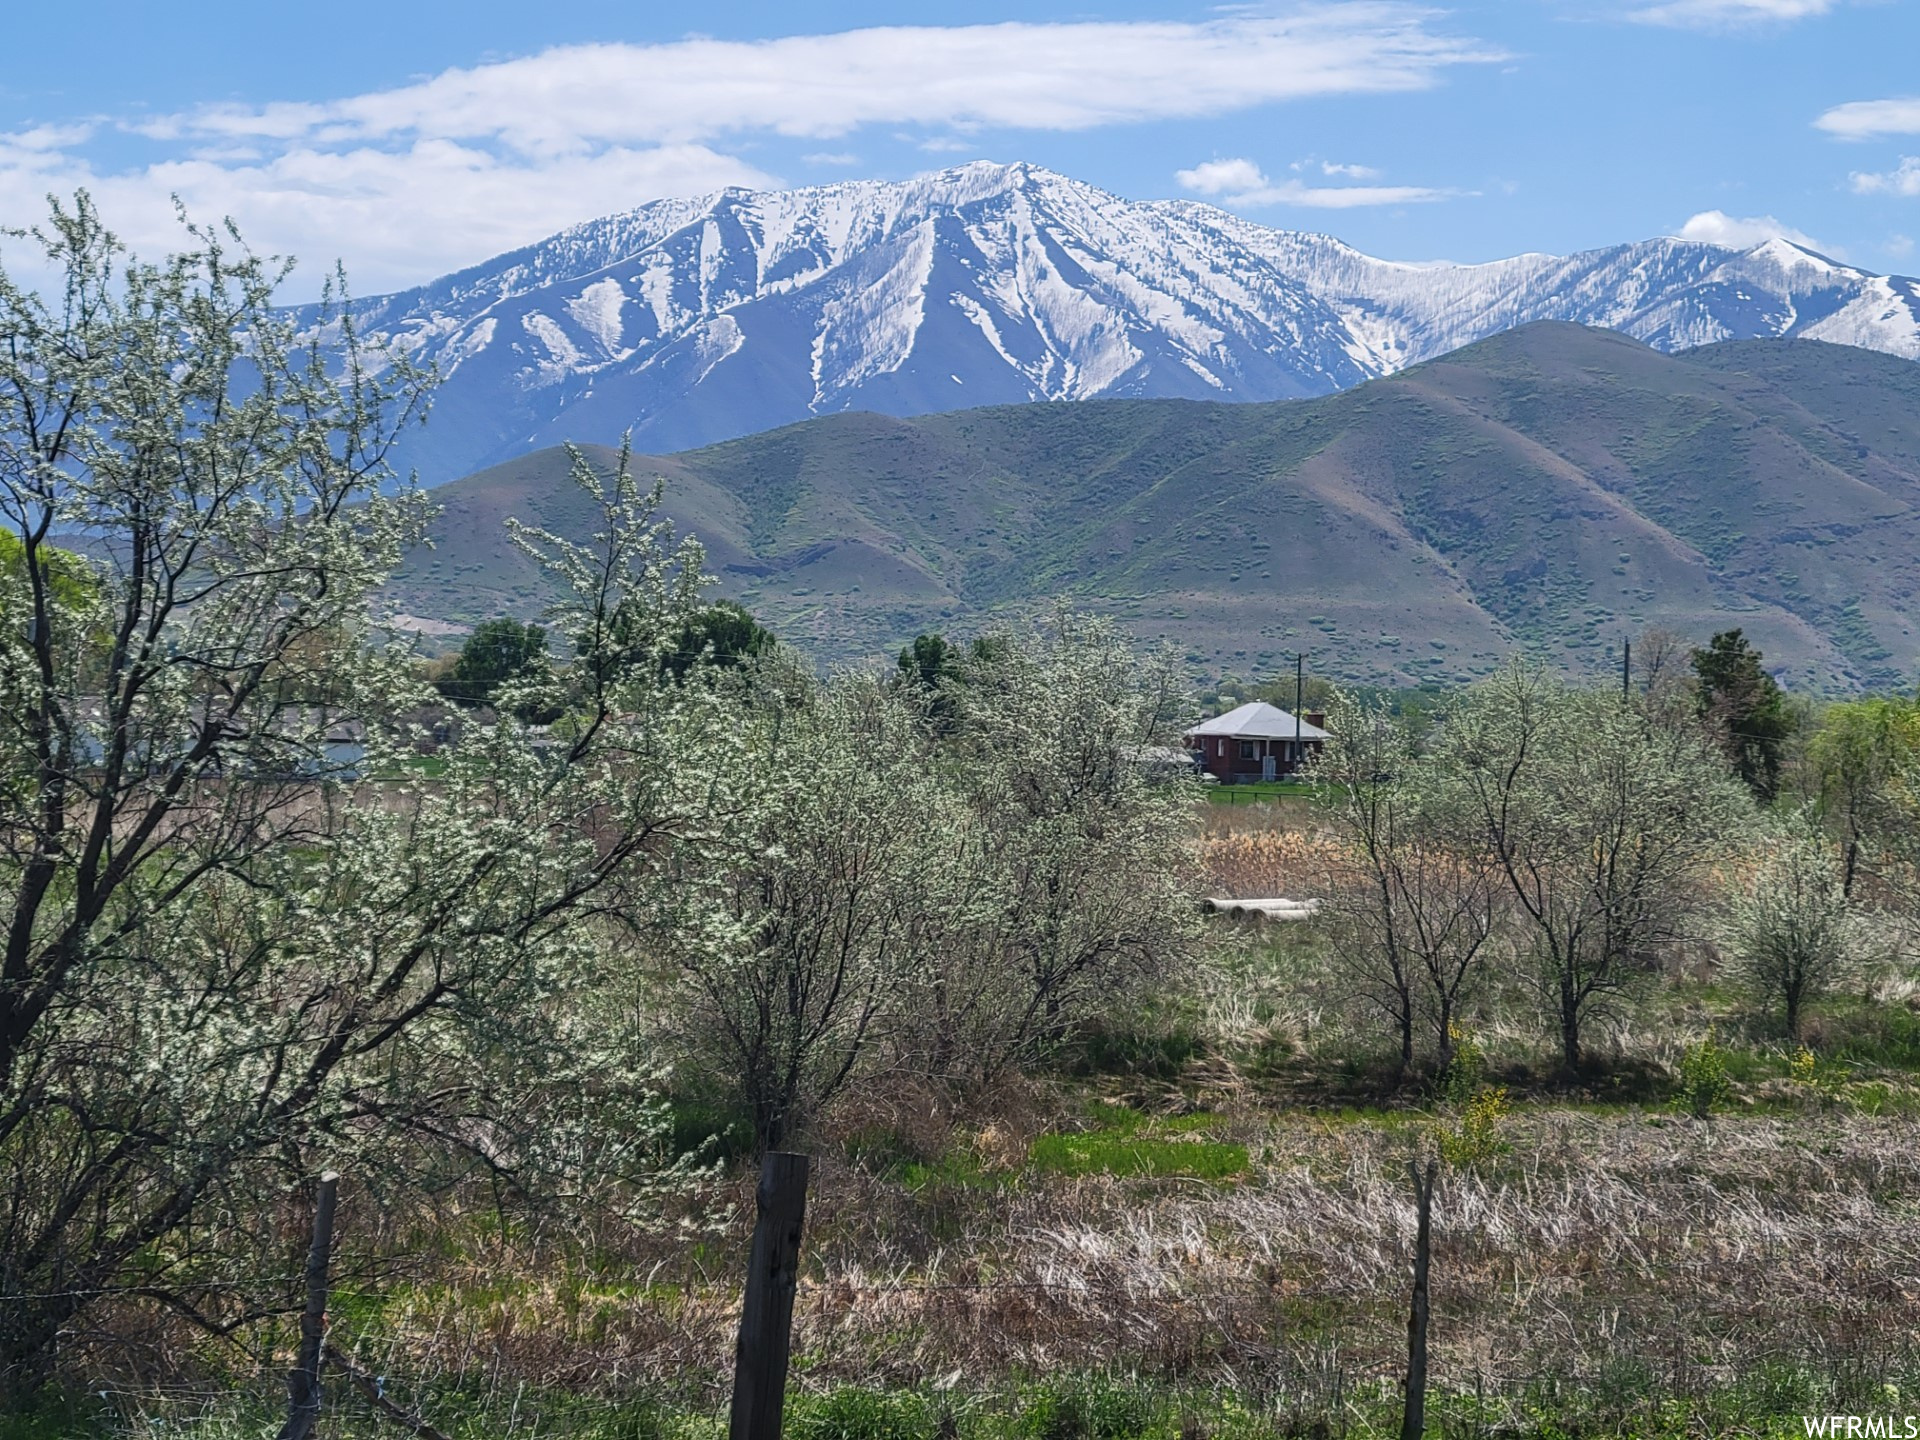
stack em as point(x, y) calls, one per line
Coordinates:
point(693, 321)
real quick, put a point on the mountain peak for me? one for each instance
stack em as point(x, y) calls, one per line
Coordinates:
point(693, 320)
point(1788, 254)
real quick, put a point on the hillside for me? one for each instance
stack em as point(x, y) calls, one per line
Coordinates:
point(1552, 488)
point(697, 320)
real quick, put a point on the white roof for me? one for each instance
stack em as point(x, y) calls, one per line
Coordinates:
point(1257, 720)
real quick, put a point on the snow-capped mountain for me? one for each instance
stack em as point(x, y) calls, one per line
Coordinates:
point(692, 321)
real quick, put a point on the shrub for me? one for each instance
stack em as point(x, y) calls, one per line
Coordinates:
point(1476, 1138)
point(1705, 1084)
point(1792, 931)
point(1802, 1067)
point(1466, 1067)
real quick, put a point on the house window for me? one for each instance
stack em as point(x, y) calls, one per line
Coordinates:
point(1247, 750)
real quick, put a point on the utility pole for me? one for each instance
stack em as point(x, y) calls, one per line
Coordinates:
point(1626, 671)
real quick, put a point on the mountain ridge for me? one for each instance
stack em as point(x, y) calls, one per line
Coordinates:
point(1549, 489)
point(692, 321)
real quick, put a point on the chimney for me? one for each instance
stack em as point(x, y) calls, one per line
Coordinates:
point(1317, 719)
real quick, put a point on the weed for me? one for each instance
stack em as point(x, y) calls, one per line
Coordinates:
point(957, 1167)
point(1826, 1084)
point(1115, 1118)
point(1265, 1055)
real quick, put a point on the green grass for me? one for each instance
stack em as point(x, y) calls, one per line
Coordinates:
point(960, 1169)
point(1259, 791)
point(1100, 1153)
point(857, 1413)
point(712, 1129)
point(1124, 1120)
point(53, 1415)
point(1131, 1143)
point(1871, 1035)
point(1161, 1051)
point(1622, 1400)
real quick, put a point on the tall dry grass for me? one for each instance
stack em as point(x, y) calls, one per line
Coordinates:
point(1692, 1249)
point(1286, 862)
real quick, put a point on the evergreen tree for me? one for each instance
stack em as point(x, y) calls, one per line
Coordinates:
point(496, 652)
point(722, 634)
point(929, 660)
point(1745, 709)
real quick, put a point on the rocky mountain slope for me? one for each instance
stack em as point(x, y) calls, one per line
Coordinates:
point(693, 321)
point(1553, 489)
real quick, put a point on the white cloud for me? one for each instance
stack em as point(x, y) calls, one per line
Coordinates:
point(1716, 227)
point(1903, 179)
point(1864, 119)
point(1727, 14)
point(1241, 182)
point(1222, 177)
point(396, 218)
point(1350, 172)
point(409, 182)
point(1065, 76)
point(1342, 197)
point(838, 158)
point(43, 139)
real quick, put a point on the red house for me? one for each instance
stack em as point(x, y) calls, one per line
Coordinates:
point(1256, 742)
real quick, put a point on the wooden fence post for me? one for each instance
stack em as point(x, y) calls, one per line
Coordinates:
point(1413, 1420)
point(766, 1316)
point(303, 1381)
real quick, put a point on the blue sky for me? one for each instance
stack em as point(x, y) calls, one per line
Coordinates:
point(411, 138)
